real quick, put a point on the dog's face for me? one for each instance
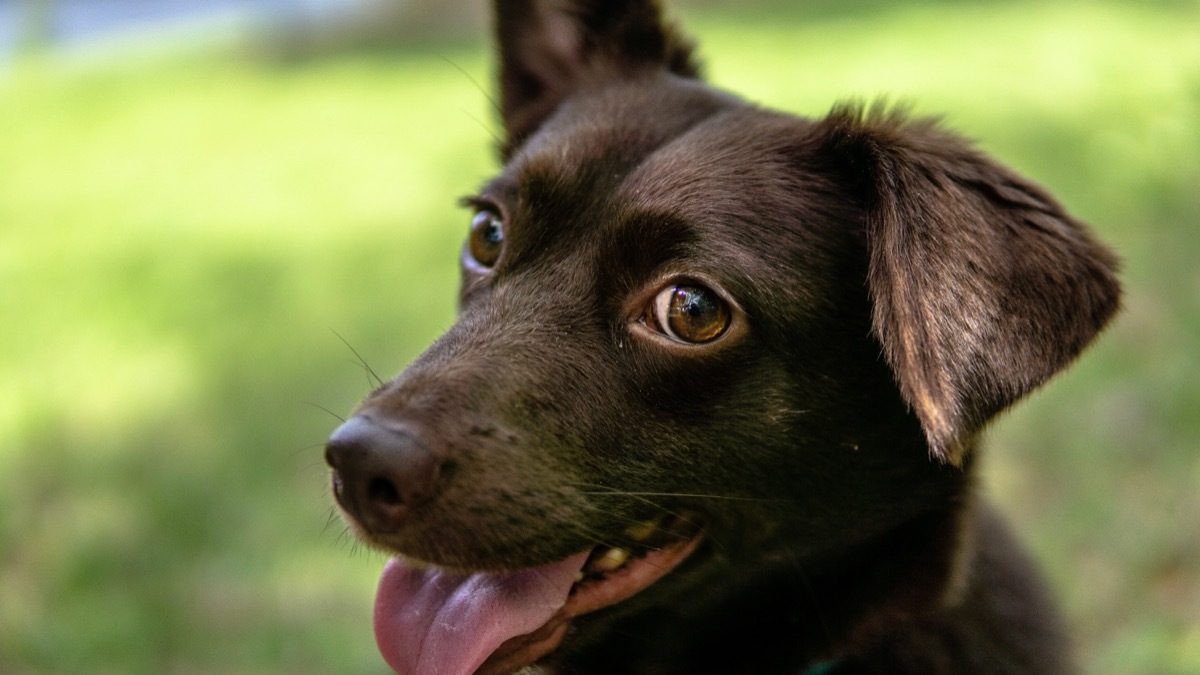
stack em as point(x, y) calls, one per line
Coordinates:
point(697, 340)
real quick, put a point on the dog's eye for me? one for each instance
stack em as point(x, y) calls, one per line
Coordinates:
point(691, 314)
point(487, 238)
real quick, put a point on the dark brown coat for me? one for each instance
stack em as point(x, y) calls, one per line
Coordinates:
point(891, 290)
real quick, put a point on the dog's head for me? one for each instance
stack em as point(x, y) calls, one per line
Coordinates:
point(696, 338)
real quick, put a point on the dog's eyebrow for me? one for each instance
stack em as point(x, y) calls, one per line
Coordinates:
point(500, 191)
point(476, 202)
point(639, 244)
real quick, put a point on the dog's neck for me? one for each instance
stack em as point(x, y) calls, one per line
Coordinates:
point(796, 611)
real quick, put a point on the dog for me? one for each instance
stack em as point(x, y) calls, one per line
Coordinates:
point(713, 398)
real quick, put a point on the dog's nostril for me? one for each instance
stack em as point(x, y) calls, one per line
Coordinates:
point(381, 471)
point(381, 491)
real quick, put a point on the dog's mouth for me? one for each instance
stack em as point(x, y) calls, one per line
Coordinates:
point(429, 620)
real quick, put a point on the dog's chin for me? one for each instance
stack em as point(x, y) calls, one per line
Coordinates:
point(430, 619)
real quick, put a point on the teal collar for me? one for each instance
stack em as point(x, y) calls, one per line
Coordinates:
point(820, 668)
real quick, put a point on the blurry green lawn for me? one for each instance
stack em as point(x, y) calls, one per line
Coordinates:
point(183, 239)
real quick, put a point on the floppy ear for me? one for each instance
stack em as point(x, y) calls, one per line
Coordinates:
point(547, 47)
point(982, 287)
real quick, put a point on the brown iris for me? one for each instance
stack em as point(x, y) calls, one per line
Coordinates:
point(688, 313)
point(486, 239)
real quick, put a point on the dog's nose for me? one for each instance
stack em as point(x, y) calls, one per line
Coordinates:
point(380, 472)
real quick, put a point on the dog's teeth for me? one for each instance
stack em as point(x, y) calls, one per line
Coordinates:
point(642, 531)
point(612, 559)
point(579, 576)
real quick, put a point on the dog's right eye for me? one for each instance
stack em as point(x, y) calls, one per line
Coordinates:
point(487, 238)
point(688, 314)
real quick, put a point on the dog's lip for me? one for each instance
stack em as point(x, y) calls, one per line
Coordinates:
point(588, 595)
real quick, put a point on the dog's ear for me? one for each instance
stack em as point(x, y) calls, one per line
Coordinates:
point(548, 46)
point(982, 287)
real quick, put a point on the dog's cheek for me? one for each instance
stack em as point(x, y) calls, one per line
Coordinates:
point(692, 420)
point(775, 447)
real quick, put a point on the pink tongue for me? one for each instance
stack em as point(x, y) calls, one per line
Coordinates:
point(431, 622)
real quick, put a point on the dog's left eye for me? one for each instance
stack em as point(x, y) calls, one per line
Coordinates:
point(487, 238)
point(689, 314)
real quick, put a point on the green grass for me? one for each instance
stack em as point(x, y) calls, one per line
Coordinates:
point(183, 239)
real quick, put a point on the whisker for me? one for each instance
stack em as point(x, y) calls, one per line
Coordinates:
point(486, 94)
point(334, 517)
point(308, 449)
point(325, 410)
point(605, 490)
point(638, 497)
point(361, 361)
point(593, 535)
point(487, 128)
point(622, 493)
point(483, 125)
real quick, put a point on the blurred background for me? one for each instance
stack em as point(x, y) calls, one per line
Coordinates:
point(209, 211)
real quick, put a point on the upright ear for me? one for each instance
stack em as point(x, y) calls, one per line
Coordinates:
point(547, 47)
point(982, 286)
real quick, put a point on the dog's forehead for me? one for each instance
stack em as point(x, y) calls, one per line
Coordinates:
point(681, 147)
point(617, 126)
point(735, 161)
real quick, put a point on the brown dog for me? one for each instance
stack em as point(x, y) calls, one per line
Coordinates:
point(712, 399)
